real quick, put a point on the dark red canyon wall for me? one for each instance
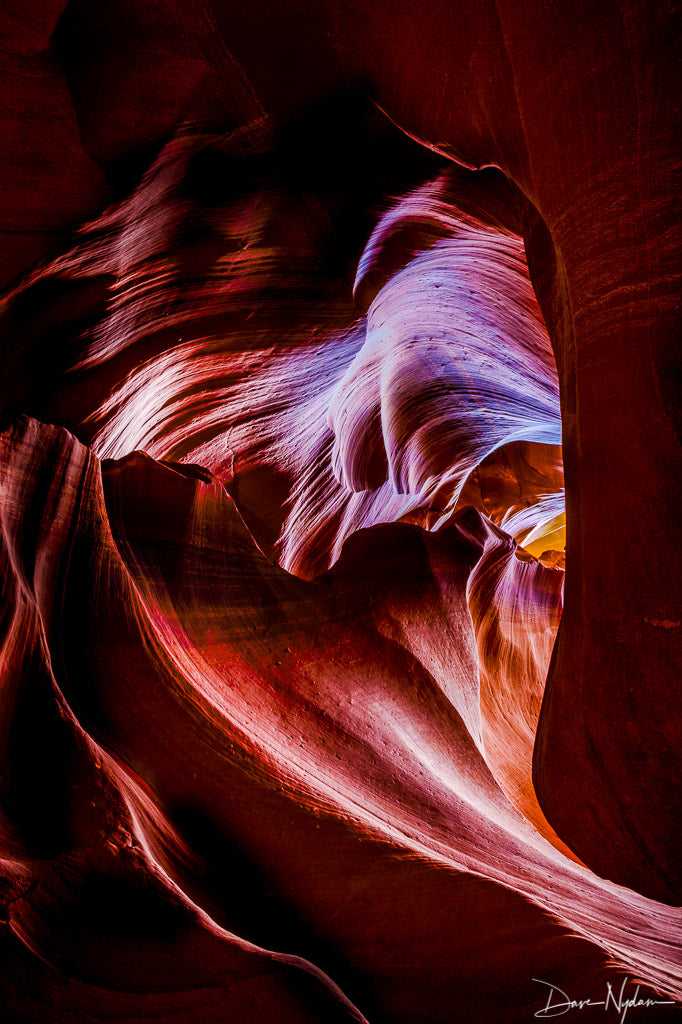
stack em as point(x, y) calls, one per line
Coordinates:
point(325, 329)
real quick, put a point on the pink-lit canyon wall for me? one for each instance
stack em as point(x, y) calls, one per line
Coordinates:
point(339, 512)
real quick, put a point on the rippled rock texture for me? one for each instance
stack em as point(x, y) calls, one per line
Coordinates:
point(339, 529)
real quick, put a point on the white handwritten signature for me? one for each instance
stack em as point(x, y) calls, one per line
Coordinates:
point(558, 1002)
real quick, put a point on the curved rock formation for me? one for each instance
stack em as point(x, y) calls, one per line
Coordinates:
point(306, 713)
